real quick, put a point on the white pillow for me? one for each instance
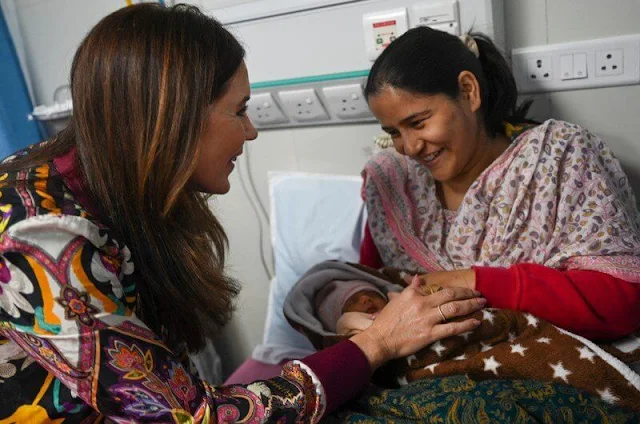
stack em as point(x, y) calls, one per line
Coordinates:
point(314, 218)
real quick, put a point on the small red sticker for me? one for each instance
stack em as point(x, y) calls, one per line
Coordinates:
point(384, 24)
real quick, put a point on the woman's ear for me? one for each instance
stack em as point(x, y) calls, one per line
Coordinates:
point(470, 90)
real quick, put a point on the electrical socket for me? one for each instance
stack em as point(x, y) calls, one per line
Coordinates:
point(347, 101)
point(263, 110)
point(539, 68)
point(603, 62)
point(609, 62)
point(303, 105)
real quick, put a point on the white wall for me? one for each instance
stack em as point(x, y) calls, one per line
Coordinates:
point(53, 28)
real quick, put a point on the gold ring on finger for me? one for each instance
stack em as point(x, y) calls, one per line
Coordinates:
point(444, 319)
point(434, 288)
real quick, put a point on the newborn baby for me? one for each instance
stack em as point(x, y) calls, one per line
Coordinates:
point(349, 307)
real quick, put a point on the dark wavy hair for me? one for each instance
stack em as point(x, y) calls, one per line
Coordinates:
point(427, 61)
point(141, 82)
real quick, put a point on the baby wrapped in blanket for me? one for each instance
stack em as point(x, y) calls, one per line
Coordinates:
point(349, 307)
point(334, 300)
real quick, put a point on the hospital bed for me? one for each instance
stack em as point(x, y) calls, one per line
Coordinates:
point(321, 217)
point(314, 217)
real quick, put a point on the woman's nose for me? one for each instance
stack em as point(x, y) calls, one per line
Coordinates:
point(250, 131)
point(412, 146)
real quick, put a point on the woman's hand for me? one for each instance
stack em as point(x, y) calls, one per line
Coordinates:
point(459, 278)
point(412, 320)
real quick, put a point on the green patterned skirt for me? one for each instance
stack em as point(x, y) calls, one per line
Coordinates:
point(459, 399)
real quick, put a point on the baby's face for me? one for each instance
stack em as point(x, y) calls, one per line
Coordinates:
point(365, 301)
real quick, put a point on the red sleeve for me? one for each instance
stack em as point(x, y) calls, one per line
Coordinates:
point(369, 255)
point(343, 371)
point(589, 303)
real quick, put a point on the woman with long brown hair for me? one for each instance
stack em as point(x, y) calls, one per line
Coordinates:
point(112, 263)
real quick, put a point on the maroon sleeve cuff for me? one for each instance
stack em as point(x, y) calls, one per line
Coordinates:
point(343, 371)
point(500, 286)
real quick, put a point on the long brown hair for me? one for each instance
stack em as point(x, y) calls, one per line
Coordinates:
point(141, 82)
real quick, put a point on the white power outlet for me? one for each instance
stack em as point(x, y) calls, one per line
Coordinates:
point(604, 62)
point(303, 105)
point(263, 110)
point(347, 101)
point(539, 68)
point(609, 62)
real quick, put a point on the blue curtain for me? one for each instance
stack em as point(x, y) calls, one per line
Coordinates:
point(16, 131)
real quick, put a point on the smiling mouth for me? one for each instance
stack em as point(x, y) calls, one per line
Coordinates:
point(433, 156)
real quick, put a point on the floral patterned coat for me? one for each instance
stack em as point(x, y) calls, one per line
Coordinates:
point(71, 346)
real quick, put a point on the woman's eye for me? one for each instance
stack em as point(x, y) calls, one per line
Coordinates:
point(418, 123)
point(243, 111)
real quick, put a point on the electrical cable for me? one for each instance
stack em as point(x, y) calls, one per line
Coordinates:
point(256, 208)
point(263, 209)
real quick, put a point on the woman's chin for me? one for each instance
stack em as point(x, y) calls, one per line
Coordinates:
point(218, 188)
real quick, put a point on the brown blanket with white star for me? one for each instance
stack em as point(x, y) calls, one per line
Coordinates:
point(507, 345)
point(516, 345)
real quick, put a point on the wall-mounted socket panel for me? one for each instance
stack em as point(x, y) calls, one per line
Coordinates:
point(303, 105)
point(602, 62)
point(263, 110)
point(342, 100)
point(346, 101)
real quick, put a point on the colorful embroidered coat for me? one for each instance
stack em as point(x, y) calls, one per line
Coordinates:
point(71, 346)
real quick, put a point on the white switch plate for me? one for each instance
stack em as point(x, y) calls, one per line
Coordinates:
point(346, 101)
point(566, 67)
point(263, 110)
point(382, 28)
point(303, 105)
point(624, 52)
point(580, 65)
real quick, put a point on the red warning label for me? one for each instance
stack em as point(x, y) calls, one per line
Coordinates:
point(384, 24)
